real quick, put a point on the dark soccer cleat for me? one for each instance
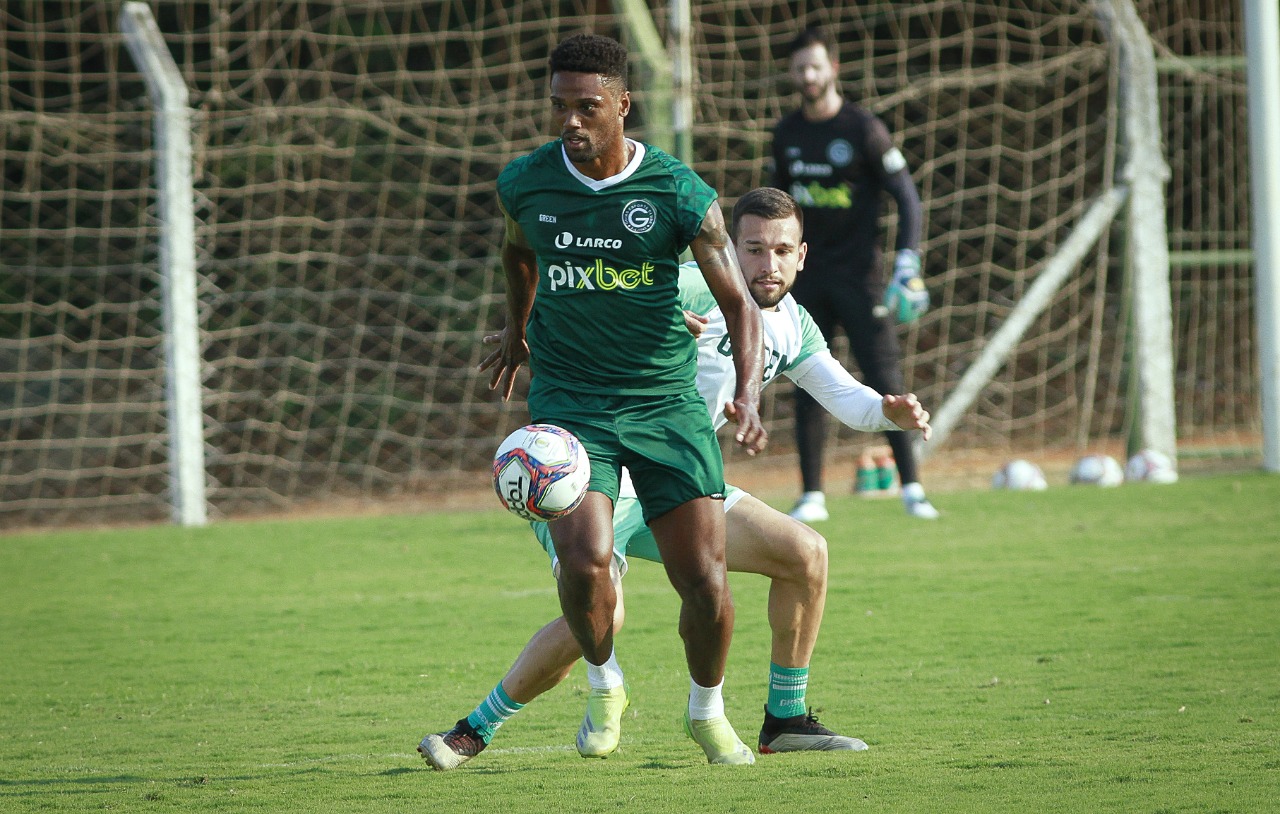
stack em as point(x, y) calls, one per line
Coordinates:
point(449, 750)
point(802, 733)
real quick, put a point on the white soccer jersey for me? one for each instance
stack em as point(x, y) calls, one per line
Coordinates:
point(794, 347)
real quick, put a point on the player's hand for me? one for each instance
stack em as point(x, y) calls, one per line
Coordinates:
point(751, 434)
point(696, 323)
point(906, 298)
point(505, 361)
point(907, 413)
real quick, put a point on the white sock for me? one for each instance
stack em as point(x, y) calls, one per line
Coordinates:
point(912, 491)
point(706, 703)
point(605, 676)
point(814, 497)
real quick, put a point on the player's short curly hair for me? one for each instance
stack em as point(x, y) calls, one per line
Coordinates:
point(591, 53)
point(767, 203)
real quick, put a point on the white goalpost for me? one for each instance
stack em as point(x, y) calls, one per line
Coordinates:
point(177, 262)
point(1262, 38)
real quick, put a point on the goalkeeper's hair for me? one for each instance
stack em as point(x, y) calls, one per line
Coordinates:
point(767, 203)
point(809, 37)
point(591, 53)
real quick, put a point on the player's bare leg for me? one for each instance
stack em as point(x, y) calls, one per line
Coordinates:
point(589, 598)
point(763, 540)
point(691, 540)
point(546, 660)
point(584, 546)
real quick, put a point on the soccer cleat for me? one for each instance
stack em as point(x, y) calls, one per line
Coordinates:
point(921, 508)
point(449, 750)
point(916, 503)
point(810, 508)
point(717, 738)
point(602, 725)
point(802, 733)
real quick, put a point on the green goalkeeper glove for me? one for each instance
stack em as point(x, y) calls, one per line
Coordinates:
point(906, 298)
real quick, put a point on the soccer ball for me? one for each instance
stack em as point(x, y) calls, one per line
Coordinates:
point(1097, 470)
point(541, 472)
point(1020, 476)
point(1150, 466)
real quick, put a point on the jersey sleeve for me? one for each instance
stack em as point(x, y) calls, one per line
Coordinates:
point(846, 398)
point(890, 166)
point(883, 158)
point(695, 295)
point(811, 339)
point(694, 197)
point(513, 232)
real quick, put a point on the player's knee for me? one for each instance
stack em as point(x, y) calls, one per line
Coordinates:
point(702, 609)
point(705, 587)
point(580, 566)
point(807, 556)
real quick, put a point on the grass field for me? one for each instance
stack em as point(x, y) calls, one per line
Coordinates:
point(1071, 650)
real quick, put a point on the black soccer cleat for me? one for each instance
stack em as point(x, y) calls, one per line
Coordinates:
point(449, 750)
point(802, 733)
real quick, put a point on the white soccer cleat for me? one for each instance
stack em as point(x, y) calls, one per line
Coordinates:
point(810, 508)
point(922, 509)
point(721, 744)
point(916, 504)
point(601, 729)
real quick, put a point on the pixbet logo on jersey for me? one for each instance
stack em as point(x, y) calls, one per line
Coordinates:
point(598, 277)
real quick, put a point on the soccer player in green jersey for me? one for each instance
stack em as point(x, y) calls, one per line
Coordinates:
point(767, 228)
point(595, 224)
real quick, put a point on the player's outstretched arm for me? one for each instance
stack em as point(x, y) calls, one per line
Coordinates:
point(907, 412)
point(718, 263)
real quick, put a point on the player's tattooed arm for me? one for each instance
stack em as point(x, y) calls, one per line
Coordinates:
point(713, 250)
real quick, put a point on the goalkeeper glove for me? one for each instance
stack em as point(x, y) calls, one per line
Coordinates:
point(906, 298)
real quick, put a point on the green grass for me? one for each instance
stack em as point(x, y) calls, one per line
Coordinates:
point(1071, 650)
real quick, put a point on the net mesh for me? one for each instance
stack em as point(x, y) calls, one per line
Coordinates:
point(345, 161)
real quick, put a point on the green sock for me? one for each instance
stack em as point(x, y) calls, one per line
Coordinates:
point(885, 476)
point(787, 686)
point(493, 712)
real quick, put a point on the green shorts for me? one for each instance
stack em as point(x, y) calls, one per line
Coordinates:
point(666, 442)
point(630, 534)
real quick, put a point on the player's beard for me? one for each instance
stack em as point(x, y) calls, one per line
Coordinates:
point(583, 154)
point(815, 92)
point(768, 297)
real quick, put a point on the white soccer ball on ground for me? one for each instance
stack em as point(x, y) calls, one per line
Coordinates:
point(1097, 470)
point(541, 472)
point(1152, 467)
point(1020, 476)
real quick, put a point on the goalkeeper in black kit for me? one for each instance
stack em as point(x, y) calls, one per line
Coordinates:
point(836, 159)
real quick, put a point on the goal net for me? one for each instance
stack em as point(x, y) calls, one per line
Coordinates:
point(347, 237)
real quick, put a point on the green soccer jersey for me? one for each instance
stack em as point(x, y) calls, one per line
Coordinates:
point(606, 317)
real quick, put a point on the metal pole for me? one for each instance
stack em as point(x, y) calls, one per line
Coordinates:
point(1262, 47)
point(682, 58)
point(177, 262)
